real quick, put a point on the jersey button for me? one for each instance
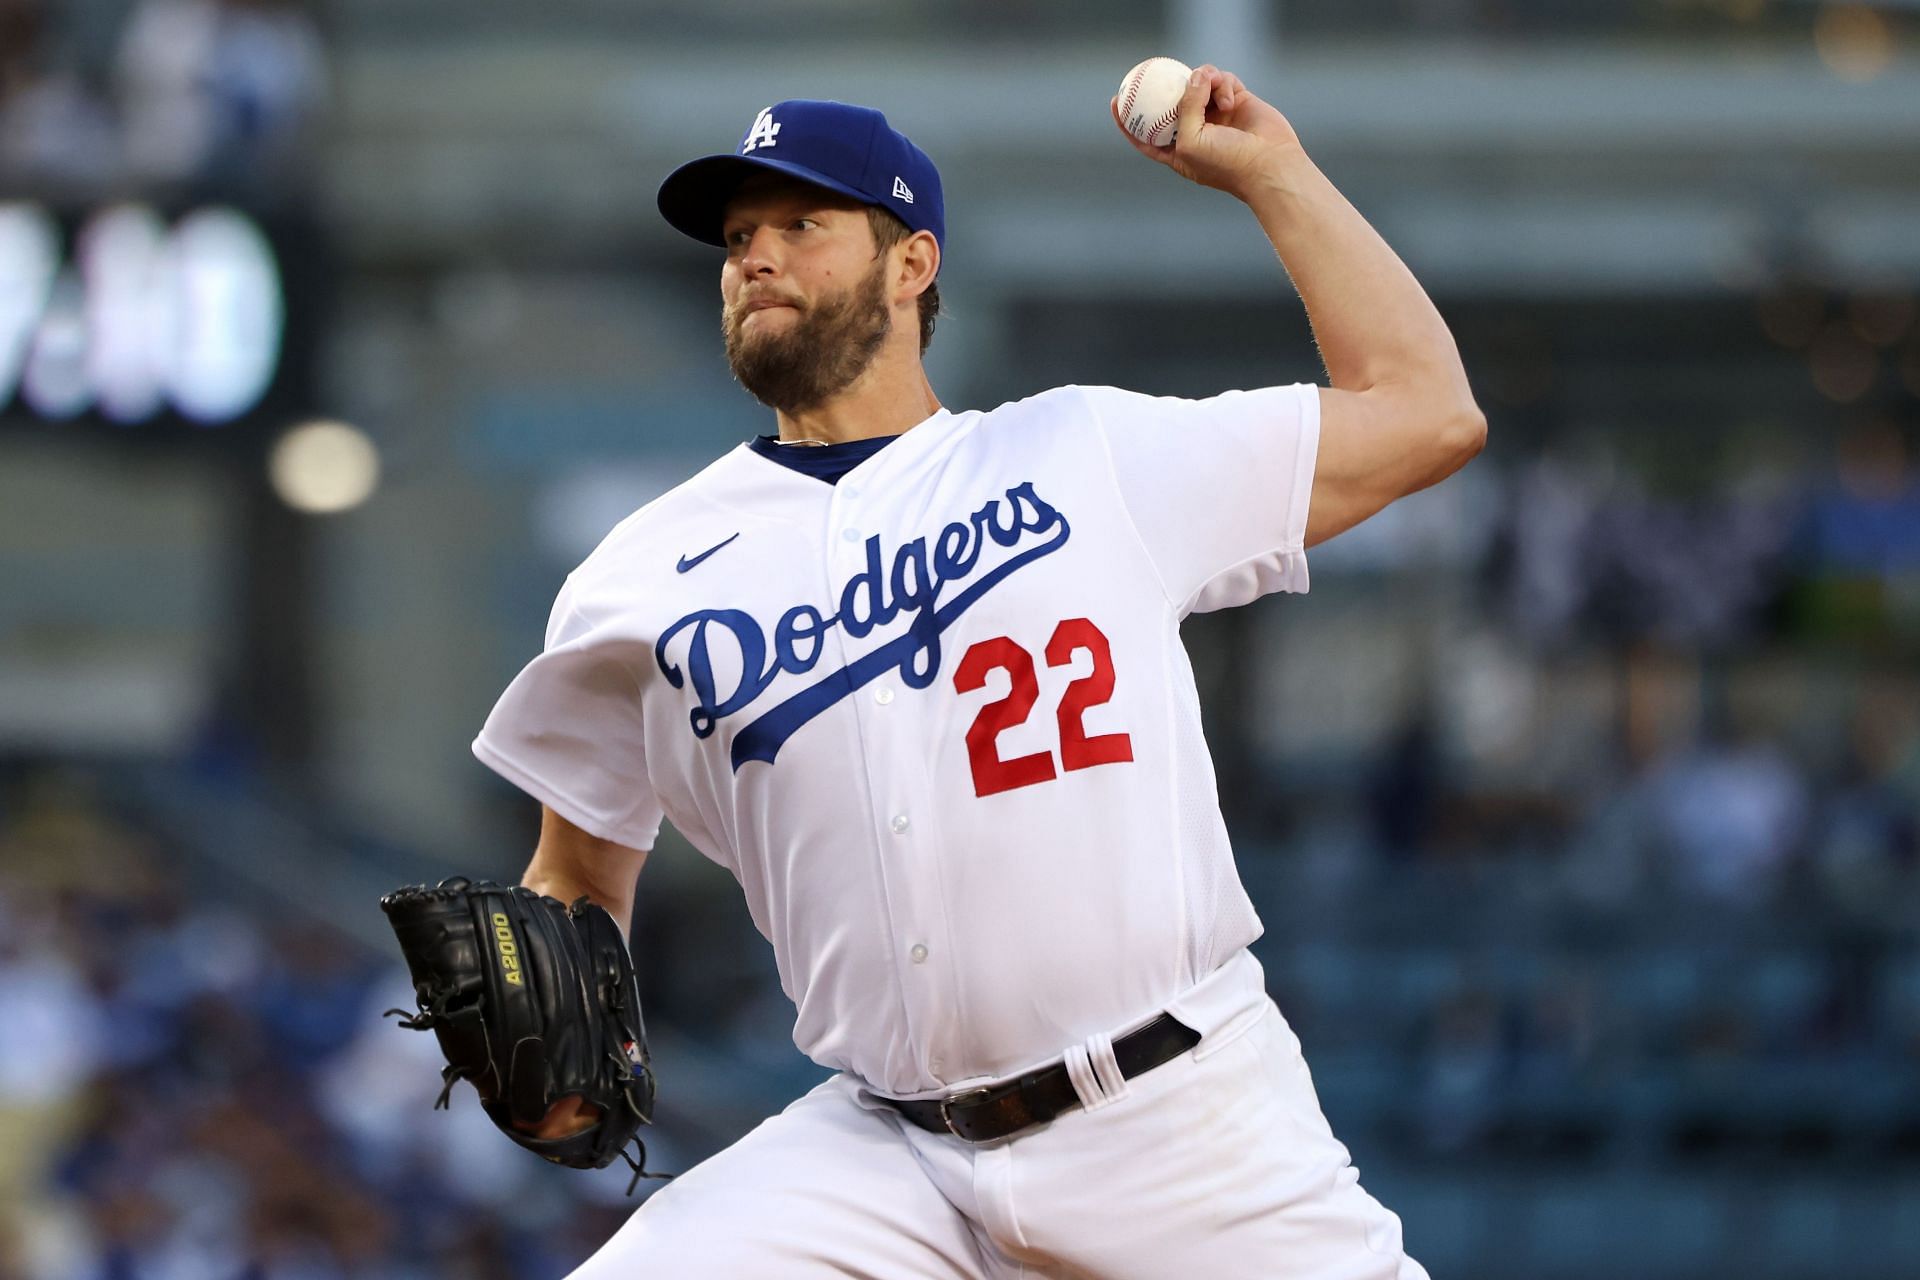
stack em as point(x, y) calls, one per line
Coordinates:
point(850, 535)
point(899, 824)
point(883, 695)
point(919, 953)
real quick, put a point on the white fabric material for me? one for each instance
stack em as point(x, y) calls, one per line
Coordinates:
point(1216, 538)
point(576, 712)
point(937, 719)
point(1086, 1086)
point(838, 1185)
point(1106, 1068)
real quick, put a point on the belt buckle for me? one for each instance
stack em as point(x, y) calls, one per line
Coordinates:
point(963, 1098)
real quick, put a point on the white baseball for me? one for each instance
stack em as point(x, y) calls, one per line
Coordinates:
point(1150, 99)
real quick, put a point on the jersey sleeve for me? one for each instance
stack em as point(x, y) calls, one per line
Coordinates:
point(568, 731)
point(1217, 488)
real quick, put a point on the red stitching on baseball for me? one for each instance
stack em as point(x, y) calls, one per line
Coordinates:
point(1126, 107)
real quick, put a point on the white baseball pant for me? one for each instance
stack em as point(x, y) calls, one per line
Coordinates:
point(1218, 1163)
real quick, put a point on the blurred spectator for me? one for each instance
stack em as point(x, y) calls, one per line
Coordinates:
point(218, 88)
point(52, 1038)
point(1869, 841)
point(1405, 788)
point(1547, 547)
point(198, 92)
point(1594, 555)
point(181, 1099)
point(53, 128)
point(1868, 522)
point(1730, 815)
point(1465, 1067)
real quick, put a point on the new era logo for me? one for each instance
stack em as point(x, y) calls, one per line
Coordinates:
point(901, 191)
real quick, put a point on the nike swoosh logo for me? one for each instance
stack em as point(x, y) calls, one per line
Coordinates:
point(687, 562)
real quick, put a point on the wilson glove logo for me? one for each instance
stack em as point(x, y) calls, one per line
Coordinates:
point(509, 950)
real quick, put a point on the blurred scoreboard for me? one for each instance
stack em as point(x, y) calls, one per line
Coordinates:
point(132, 315)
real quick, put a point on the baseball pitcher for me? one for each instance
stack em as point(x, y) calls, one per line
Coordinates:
point(913, 674)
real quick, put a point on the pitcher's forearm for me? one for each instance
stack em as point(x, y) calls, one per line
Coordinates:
point(568, 885)
point(570, 863)
point(617, 903)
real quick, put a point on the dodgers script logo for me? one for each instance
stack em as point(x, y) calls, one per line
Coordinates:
point(912, 584)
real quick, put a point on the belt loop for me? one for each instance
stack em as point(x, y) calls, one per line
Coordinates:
point(1106, 1067)
point(1086, 1085)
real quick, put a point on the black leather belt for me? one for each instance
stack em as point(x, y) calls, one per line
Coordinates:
point(981, 1115)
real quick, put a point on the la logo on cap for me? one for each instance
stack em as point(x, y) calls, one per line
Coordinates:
point(765, 133)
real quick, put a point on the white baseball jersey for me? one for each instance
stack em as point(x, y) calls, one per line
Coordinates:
point(937, 718)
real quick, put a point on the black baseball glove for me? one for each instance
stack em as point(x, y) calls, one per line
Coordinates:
point(533, 1001)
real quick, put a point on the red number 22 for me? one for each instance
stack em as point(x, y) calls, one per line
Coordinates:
point(991, 773)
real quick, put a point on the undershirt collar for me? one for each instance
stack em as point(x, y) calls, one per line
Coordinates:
point(826, 462)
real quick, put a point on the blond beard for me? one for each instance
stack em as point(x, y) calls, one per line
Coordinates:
point(822, 353)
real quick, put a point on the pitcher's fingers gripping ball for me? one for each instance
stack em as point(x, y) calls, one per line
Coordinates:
point(537, 1004)
point(1209, 128)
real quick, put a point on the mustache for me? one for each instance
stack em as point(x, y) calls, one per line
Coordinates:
point(746, 305)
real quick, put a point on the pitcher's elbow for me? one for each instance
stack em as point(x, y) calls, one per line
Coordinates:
point(1468, 432)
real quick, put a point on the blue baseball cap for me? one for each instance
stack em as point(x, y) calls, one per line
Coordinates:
point(843, 148)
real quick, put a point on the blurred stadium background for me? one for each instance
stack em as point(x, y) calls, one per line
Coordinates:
point(1581, 797)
